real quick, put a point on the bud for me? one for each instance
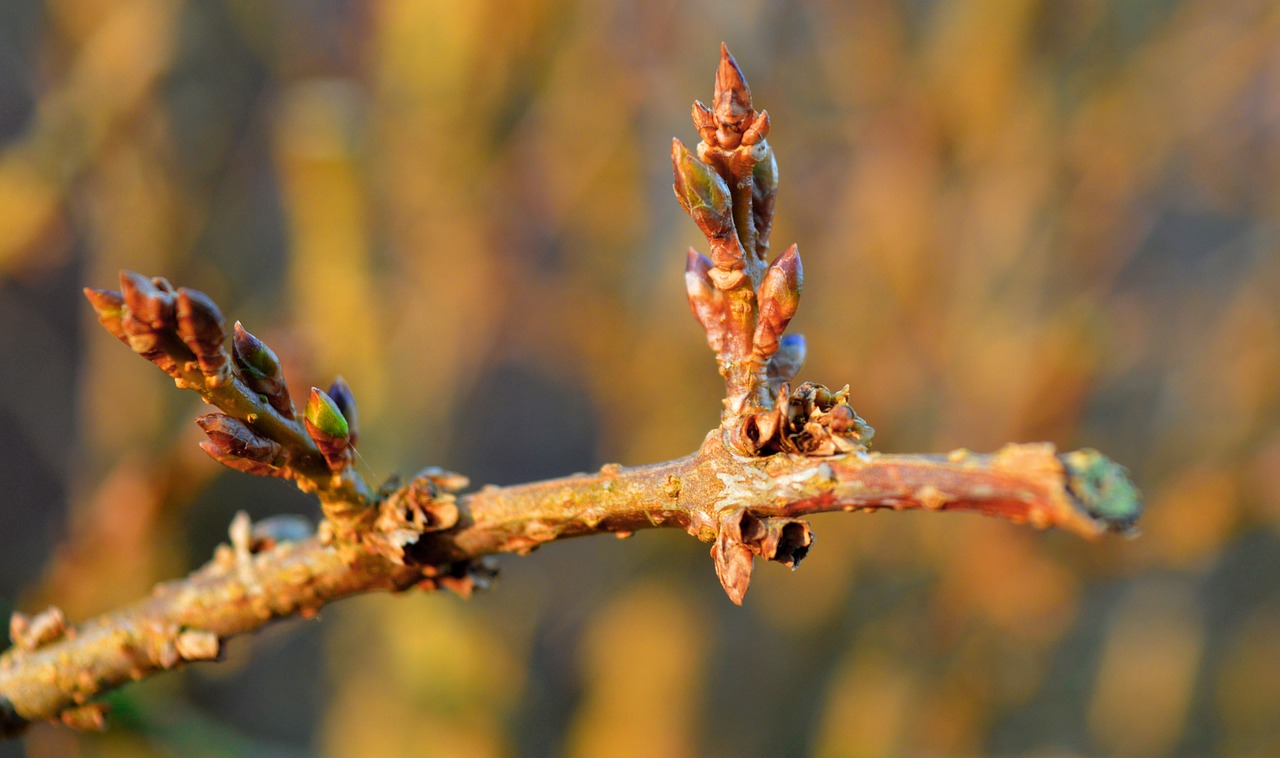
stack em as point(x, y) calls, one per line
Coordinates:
point(705, 299)
point(778, 297)
point(732, 101)
point(239, 464)
point(786, 363)
point(200, 326)
point(758, 130)
point(328, 428)
point(149, 304)
point(231, 436)
point(701, 192)
point(704, 120)
point(260, 368)
point(733, 562)
point(764, 188)
point(108, 305)
point(340, 392)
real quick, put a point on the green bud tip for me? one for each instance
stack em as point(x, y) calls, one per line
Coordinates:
point(323, 414)
point(253, 355)
point(1103, 488)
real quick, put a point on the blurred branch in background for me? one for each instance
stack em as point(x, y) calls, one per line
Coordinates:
point(1013, 202)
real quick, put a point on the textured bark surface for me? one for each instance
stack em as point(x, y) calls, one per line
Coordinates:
point(258, 579)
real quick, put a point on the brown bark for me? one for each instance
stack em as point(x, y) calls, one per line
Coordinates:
point(257, 581)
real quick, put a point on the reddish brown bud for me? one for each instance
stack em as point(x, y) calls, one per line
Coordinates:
point(705, 299)
point(233, 437)
point(239, 464)
point(759, 129)
point(108, 305)
point(340, 391)
point(704, 120)
point(732, 101)
point(778, 298)
point(733, 562)
point(148, 303)
point(261, 370)
point(200, 326)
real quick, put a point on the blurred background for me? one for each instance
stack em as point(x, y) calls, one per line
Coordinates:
point(1020, 220)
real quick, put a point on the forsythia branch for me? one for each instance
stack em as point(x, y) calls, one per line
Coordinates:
point(779, 455)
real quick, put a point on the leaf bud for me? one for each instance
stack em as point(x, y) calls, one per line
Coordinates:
point(705, 299)
point(701, 192)
point(232, 436)
point(108, 305)
point(261, 370)
point(342, 397)
point(200, 326)
point(778, 298)
point(328, 428)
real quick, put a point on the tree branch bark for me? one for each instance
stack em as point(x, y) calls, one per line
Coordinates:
point(57, 671)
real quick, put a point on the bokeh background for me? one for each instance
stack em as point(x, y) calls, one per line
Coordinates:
point(1020, 220)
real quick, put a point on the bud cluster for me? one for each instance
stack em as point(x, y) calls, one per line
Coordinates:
point(744, 306)
point(256, 429)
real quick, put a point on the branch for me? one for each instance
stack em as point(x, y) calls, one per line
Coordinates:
point(746, 507)
point(778, 456)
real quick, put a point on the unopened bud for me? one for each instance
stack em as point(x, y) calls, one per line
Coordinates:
point(261, 370)
point(704, 120)
point(778, 297)
point(759, 129)
point(108, 305)
point(200, 326)
point(243, 465)
point(732, 101)
point(328, 428)
point(148, 303)
point(764, 188)
point(342, 397)
point(701, 192)
point(234, 437)
point(705, 299)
